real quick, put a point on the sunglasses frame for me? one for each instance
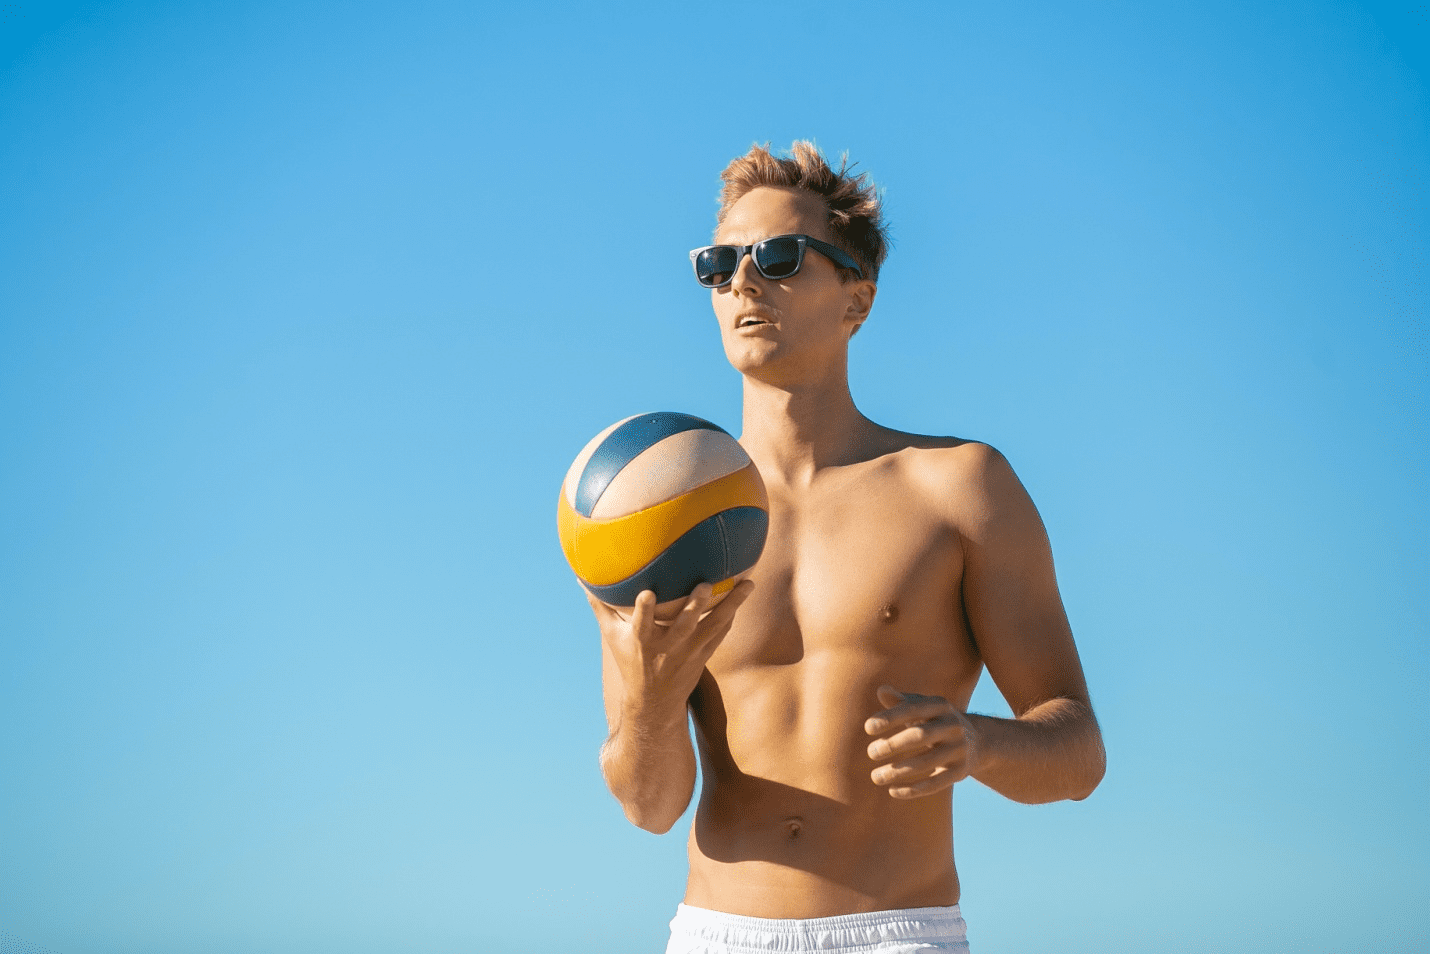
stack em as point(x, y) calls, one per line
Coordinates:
point(836, 255)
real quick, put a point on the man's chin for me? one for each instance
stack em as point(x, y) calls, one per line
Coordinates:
point(750, 357)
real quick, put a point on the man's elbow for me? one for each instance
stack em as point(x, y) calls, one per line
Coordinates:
point(657, 823)
point(645, 808)
point(1092, 774)
point(1089, 753)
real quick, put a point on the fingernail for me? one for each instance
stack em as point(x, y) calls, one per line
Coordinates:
point(874, 725)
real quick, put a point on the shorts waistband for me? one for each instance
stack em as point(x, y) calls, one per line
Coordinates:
point(844, 932)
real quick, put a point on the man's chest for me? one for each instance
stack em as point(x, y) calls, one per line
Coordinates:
point(860, 567)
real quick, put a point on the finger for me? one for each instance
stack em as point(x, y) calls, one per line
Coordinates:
point(942, 758)
point(716, 626)
point(928, 786)
point(889, 696)
point(643, 614)
point(916, 739)
point(892, 697)
point(712, 629)
point(917, 709)
point(684, 623)
point(602, 611)
point(721, 616)
point(608, 619)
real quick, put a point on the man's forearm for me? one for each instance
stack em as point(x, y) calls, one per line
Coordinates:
point(1053, 751)
point(649, 765)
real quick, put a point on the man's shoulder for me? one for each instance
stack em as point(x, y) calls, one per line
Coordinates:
point(947, 459)
point(960, 477)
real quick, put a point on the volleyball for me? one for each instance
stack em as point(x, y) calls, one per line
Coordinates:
point(662, 502)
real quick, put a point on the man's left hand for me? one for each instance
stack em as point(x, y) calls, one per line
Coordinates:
point(925, 743)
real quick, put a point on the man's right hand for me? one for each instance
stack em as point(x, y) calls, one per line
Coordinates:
point(661, 663)
point(648, 671)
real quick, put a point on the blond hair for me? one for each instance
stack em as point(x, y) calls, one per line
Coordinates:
point(856, 211)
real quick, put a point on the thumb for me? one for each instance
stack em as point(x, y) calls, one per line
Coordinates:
point(603, 611)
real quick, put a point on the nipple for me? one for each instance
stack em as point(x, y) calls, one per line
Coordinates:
point(888, 612)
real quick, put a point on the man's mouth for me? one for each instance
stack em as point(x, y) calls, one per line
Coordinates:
point(745, 321)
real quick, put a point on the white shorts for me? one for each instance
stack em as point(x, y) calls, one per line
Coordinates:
point(698, 931)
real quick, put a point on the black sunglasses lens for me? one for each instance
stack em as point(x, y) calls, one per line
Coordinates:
point(715, 266)
point(778, 257)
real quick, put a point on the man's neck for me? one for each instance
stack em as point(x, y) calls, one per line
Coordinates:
point(794, 431)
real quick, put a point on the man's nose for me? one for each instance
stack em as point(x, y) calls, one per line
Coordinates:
point(747, 277)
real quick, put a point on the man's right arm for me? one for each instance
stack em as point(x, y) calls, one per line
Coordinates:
point(648, 671)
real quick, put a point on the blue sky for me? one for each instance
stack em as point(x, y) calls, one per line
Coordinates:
point(306, 307)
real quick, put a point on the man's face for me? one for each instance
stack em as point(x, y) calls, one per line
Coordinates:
point(794, 328)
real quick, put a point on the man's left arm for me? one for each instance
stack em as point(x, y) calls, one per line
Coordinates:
point(1052, 748)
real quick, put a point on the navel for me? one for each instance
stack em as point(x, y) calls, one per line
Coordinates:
point(793, 826)
point(888, 612)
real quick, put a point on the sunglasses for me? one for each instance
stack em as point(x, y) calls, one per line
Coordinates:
point(776, 258)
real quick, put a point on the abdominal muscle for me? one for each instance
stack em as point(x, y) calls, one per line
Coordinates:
point(790, 824)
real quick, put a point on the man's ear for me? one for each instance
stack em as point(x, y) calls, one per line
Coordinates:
point(861, 300)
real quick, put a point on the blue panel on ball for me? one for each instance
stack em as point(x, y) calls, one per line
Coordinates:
point(624, 445)
point(714, 549)
point(745, 529)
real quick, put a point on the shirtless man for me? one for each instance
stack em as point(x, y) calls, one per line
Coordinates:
point(828, 691)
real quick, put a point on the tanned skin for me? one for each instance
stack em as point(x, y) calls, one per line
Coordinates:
point(829, 690)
